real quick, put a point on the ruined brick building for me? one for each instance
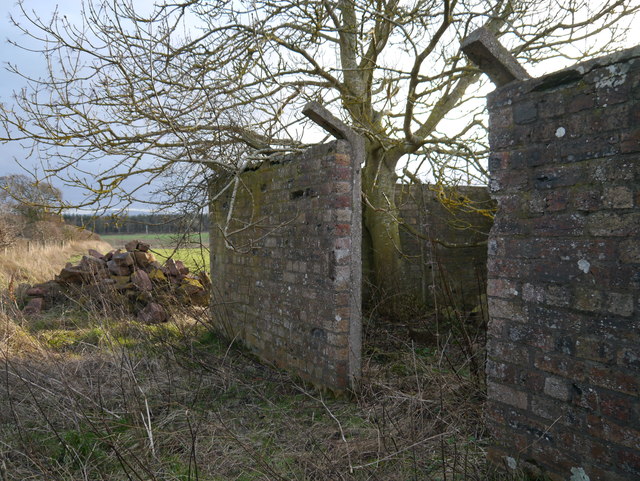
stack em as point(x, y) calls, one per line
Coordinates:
point(563, 366)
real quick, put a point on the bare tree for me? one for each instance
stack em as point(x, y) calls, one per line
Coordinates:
point(31, 199)
point(10, 227)
point(188, 80)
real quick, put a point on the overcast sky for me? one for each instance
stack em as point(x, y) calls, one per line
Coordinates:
point(31, 64)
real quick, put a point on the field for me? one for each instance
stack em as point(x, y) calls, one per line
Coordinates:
point(192, 250)
point(88, 393)
point(158, 240)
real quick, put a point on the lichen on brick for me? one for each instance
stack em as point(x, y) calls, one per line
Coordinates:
point(568, 233)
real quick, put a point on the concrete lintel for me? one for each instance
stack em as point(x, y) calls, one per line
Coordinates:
point(484, 49)
point(321, 116)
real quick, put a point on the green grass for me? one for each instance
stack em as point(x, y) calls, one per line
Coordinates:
point(194, 255)
point(156, 240)
point(194, 258)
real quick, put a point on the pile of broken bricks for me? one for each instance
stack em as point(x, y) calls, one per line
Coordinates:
point(133, 274)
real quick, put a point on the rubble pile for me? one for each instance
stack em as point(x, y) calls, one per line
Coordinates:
point(134, 275)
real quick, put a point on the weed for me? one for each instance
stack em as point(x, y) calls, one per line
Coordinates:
point(88, 393)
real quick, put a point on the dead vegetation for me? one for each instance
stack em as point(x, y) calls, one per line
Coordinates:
point(87, 393)
point(32, 262)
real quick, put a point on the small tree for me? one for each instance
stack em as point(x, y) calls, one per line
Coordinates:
point(32, 199)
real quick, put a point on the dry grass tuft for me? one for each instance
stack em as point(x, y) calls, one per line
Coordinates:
point(40, 263)
point(14, 338)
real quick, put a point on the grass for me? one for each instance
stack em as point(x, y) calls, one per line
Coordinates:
point(194, 256)
point(91, 394)
point(41, 262)
point(196, 259)
point(192, 251)
point(158, 240)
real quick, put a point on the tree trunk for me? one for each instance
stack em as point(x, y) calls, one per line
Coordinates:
point(380, 216)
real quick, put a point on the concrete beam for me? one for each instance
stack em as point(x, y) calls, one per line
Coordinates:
point(484, 49)
point(321, 116)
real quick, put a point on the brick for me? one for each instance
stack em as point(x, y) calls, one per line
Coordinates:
point(618, 408)
point(507, 395)
point(507, 309)
point(629, 357)
point(620, 304)
point(581, 102)
point(343, 159)
point(619, 197)
point(595, 349)
point(501, 118)
point(570, 249)
point(618, 170)
point(551, 106)
point(532, 156)
point(502, 288)
point(588, 199)
point(629, 461)
point(533, 381)
point(508, 181)
point(499, 160)
point(553, 201)
point(557, 272)
point(610, 431)
point(502, 372)
point(556, 388)
point(533, 293)
point(593, 451)
point(501, 350)
point(530, 335)
point(615, 380)
point(508, 268)
point(561, 365)
point(570, 224)
point(565, 344)
point(613, 224)
point(525, 112)
point(554, 295)
point(589, 299)
point(630, 250)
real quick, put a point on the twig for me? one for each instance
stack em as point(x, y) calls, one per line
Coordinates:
point(400, 451)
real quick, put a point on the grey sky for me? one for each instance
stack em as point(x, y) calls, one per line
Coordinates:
point(30, 63)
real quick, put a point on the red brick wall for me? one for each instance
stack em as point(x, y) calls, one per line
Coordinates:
point(286, 275)
point(564, 272)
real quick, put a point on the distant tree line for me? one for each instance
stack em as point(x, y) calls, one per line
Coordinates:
point(140, 223)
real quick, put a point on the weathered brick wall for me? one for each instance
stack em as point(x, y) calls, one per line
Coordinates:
point(564, 271)
point(446, 242)
point(286, 274)
point(442, 244)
